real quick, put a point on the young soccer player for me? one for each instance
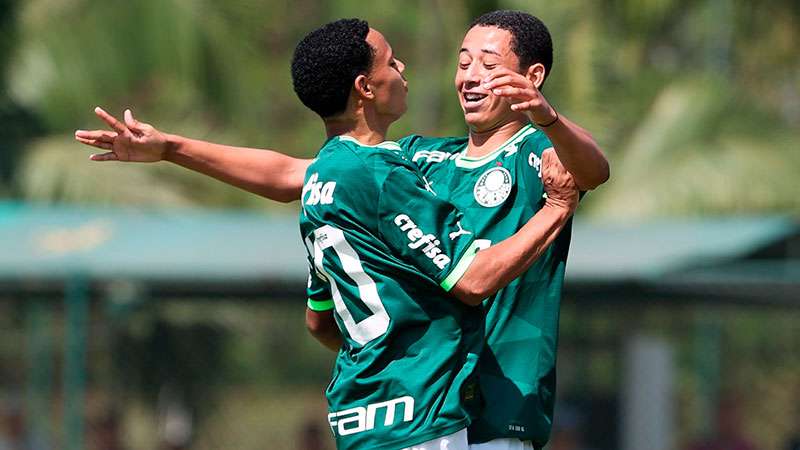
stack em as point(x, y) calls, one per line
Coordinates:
point(385, 249)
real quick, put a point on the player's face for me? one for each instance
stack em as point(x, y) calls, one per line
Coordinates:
point(483, 50)
point(386, 78)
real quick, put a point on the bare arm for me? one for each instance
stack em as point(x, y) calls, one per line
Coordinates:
point(322, 326)
point(578, 151)
point(493, 268)
point(264, 172)
point(576, 148)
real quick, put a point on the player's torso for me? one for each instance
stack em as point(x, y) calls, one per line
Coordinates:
point(406, 339)
point(499, 193)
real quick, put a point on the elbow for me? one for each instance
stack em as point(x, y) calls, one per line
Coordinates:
point(281, 195)
point(598, 177)
point(605, 173)
point(288, 198)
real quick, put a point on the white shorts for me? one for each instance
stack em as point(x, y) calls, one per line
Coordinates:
point(502, 444)
point(455, 441)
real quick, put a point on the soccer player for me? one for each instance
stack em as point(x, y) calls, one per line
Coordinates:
point(385, 250)
point(503, 61)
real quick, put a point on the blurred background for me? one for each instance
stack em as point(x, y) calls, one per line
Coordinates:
point(144, 306)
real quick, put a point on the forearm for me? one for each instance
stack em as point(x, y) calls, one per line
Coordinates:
point(496, 266)
point(579, 153)
point(264, 172)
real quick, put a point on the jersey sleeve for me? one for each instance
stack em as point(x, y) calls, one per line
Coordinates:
point(530, 162)
point(318, 290)
point(424, 230)
point(408, 145)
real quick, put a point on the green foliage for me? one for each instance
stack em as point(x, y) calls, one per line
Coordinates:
point(689, 99)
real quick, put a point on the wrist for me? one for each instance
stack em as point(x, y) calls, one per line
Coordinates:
point(550, 121)
point(173, 145)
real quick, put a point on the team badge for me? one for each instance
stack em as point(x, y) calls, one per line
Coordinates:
point(493, 187)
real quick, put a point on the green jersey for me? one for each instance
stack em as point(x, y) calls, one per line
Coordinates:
point(383, 251)
point(498, 194)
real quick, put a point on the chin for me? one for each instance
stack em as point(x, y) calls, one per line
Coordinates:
point(476, 124)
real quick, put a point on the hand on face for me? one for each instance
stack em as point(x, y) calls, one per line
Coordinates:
point(521, 92)
point(560, 187)
point(132, 141)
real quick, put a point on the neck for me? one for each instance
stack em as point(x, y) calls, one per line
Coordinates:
point(484, 142)
point(360, 126)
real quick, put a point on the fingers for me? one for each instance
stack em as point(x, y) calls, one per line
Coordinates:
point(102, 135)
point(513, 92)
point(550, 160)
point(511, 79)
point(95, 143)
point(522, 106)
point(132, 123)
point(112, 122)
point(110, 156)
point(547, 163)
point(498, 73)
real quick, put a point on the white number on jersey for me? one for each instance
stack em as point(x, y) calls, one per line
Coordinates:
point(371, 327)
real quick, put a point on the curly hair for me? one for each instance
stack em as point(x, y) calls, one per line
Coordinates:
point(530, 39)
point(327, 61)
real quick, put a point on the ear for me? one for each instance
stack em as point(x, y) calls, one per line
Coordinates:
point(536, 73)
point(362, 87)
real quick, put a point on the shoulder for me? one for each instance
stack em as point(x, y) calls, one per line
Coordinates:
point(360, 165)
point(535, 141)
point(416, 142)
point(419, 148)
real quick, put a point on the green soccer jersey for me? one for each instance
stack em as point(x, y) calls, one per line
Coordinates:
point(498, 193)
point(383, 251)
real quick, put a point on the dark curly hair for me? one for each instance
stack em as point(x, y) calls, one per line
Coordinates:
point(327, 61)
point(530, 39)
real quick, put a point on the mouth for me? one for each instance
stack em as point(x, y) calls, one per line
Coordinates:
point(473, 98)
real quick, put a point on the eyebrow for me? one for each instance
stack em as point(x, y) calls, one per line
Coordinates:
point(484, 50)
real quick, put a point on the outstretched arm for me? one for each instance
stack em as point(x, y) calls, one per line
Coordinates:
point(264, 172)
point(494, 267)
point(576, 148)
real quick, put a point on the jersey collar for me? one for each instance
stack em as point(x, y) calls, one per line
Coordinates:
point(467, 162)
point(388, 145)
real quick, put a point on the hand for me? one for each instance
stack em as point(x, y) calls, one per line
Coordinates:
point(560, 187)
point(132, 141)
point(522, 93)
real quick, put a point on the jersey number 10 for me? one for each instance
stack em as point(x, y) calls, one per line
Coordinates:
point(372, 327)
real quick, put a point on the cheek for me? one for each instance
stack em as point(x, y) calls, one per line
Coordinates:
point(458, 80)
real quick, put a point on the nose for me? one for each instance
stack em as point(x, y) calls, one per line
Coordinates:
point(401, 66)
point(473, 74)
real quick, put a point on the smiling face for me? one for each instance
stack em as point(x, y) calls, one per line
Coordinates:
point(484, 49)
point(385, 78)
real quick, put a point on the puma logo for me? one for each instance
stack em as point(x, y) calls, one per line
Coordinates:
point(458, 233)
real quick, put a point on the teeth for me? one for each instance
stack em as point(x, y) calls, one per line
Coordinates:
point(470, 97)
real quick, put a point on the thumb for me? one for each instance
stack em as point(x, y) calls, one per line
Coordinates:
point(132, 123)
point(547, 158)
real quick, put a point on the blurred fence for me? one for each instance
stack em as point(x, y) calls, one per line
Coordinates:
point(126, 329)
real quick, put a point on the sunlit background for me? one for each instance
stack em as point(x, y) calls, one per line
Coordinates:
point(148, 307)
